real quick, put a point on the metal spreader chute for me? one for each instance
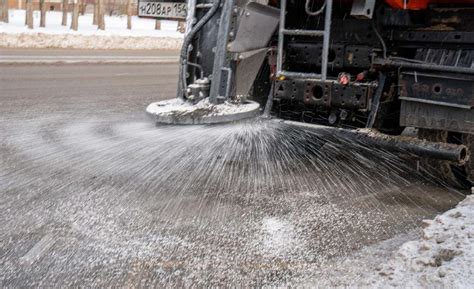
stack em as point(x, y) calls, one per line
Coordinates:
point(223, 50)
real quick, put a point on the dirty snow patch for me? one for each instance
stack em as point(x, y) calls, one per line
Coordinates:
point(177, 105)
point(442, 258)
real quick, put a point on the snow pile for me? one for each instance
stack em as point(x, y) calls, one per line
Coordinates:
point(171, 106)
point(443, 258)
point(177, 111)
point(178, 106)
point(116, 35)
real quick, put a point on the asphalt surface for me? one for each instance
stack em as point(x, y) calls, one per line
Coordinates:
point(93, 194)
point(74, 56)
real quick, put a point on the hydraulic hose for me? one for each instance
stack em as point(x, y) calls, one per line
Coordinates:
point(314, 13)
point(185, 48)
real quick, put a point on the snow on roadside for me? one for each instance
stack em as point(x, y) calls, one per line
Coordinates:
point(442, 258)
point(116, 36)
point(41, 40)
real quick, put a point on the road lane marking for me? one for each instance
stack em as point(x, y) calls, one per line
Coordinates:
point(38, 250)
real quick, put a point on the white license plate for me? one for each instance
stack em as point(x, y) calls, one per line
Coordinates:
point(166, 10)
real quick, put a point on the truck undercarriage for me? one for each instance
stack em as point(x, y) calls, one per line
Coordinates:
point(382, 65)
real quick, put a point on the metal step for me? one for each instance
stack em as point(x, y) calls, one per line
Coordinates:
point(300, 32)
point(292, 74)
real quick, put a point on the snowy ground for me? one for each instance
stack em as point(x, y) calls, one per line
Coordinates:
point(116, 36)
point(442, 258)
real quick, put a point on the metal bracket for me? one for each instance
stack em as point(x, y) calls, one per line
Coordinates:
point(363, 8)
point(221, 50)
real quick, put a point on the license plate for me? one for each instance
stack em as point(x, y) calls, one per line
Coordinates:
point(161, 9)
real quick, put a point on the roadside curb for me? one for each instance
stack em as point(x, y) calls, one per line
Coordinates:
point(78, 41)
point(72, 60)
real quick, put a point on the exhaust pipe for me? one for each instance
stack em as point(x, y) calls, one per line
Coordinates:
point(396, 144)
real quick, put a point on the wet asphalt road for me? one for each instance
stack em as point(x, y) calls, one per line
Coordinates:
point(92, 194)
